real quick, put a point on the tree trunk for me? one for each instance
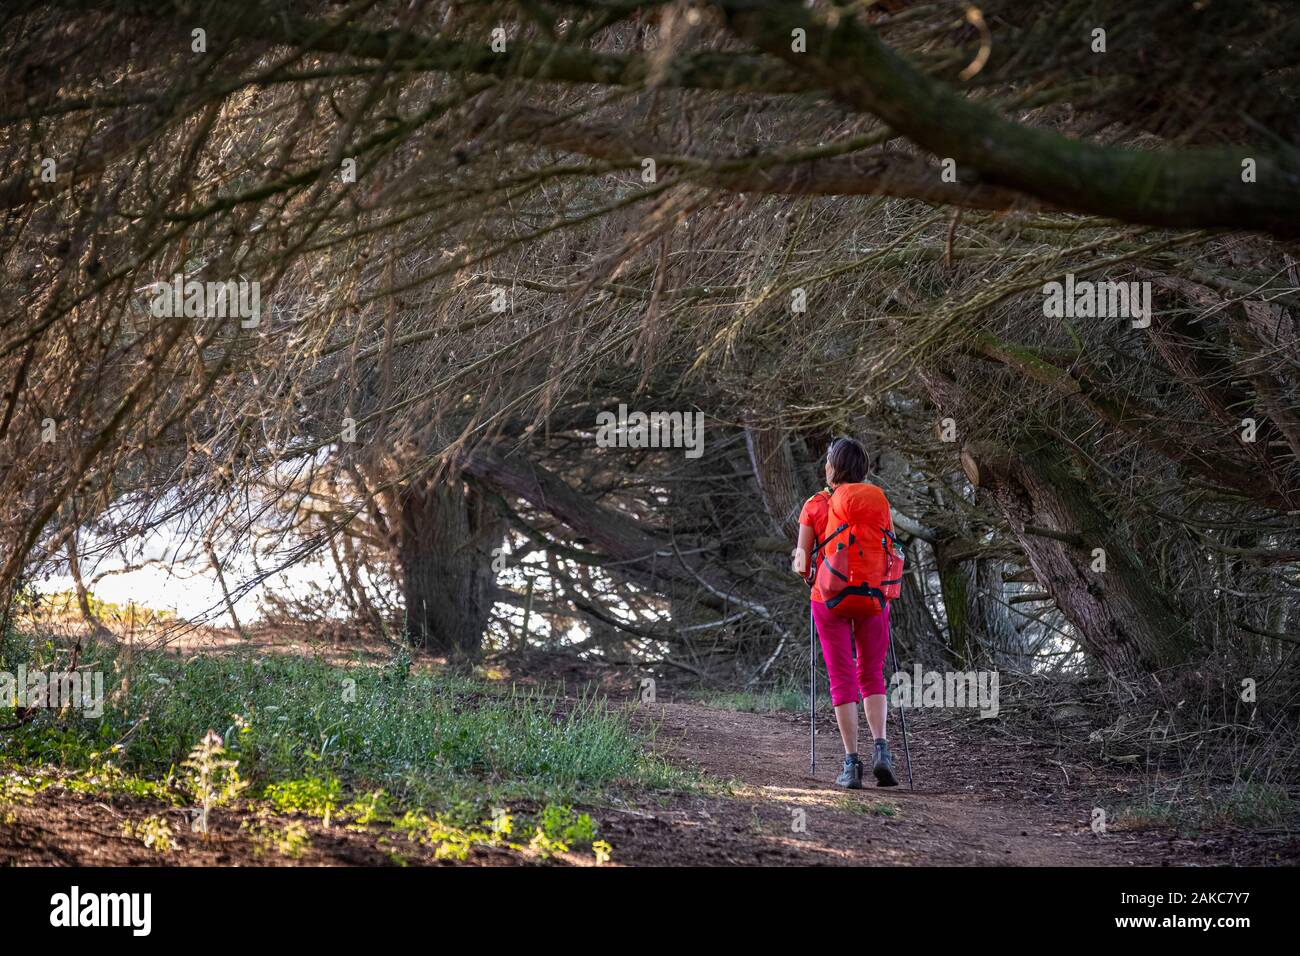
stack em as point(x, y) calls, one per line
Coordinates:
point(990, 612)
point(913, 628)
point(641, 553)
point(954, 586)
point(88, 615)
point(446, 532)
point(1122, 618)
point(775, 474)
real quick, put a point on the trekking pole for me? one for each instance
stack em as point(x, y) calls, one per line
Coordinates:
point(902, 714)
point(812, 690)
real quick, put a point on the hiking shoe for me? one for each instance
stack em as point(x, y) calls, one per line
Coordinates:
point(884, 766)
point(850, 777)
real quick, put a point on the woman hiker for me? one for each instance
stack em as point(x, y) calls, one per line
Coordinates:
point(846, 464)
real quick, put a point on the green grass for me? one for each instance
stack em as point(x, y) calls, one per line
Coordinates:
point(877, 808)
point(299, 727)
point(788, 700)
point(438, 759)
point(1246, 804)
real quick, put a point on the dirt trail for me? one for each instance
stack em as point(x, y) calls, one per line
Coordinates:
point(987, 804)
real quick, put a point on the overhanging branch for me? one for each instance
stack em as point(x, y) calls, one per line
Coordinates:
point(1190, 188)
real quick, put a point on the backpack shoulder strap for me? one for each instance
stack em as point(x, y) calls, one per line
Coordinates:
point(831, 529)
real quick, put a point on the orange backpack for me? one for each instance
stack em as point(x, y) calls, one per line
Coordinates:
point(861, 561)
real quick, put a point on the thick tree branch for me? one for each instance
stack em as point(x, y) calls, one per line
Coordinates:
point(278, 23)
point(860, 174)
point(1193, 188)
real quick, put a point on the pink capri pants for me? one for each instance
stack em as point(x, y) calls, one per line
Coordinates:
point(838, 636)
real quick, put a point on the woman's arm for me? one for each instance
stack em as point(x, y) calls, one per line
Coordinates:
point(799, 556)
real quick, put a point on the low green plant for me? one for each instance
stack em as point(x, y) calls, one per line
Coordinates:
point(563, 823)
point(15, 791)
point(105, 778)
point(153, 831)
point(448, 841)
point(313, 796)
point(290, 840)
point(558, 829)
point(367, 809)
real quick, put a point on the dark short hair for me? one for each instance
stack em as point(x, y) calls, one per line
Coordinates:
point(848, 460)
